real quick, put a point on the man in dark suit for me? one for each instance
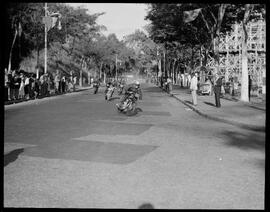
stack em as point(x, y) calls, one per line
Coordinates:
point(217, 90)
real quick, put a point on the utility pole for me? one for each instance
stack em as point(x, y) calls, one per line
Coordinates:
point(81, 81)
point(164, 55)
point(116, 66)
point(45, 58)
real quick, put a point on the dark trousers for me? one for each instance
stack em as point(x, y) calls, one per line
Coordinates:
point(6, 93)
point(217, 96)
point(63, 87)
point(95, 89)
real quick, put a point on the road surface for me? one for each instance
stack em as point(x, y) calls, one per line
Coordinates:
point(77, 151)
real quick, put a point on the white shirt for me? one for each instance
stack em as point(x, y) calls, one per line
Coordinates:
point(26, 81)
point(193, 83)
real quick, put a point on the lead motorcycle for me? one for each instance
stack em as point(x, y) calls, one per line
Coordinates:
point(128, 106)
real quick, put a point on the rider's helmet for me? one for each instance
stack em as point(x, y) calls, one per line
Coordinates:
point(137, 84)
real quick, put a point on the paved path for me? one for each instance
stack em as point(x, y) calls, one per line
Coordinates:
point(76, 151)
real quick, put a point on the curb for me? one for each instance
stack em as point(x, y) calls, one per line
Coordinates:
point(239, 124)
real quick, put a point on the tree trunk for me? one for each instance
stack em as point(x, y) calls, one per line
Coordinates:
point(10, 54)
point(205, 56)
point(244, 79)
point(37, 56)
point(100, 70)
point(165, 70)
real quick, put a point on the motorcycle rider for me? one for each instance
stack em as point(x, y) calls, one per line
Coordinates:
point(120, 87)
point(109, 88)
point(135, 87)
point(96, 84)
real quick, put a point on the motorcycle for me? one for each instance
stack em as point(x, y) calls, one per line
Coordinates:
point(120, 89)
point(96, 86)
point(109, 93)
point(128, 106)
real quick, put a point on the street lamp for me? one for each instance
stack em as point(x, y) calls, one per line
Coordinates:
point(116, 66)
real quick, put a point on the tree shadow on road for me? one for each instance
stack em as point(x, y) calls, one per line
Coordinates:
point(12, 156)
point(189, 102)
point(152, 89)
point(114, 98)
point(209, 103)
point(245, 141)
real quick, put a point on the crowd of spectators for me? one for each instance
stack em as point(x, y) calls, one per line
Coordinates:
point(21, 85)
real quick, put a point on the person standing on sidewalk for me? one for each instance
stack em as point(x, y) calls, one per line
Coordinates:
point(193, 88)
point(22, 87)
point(188, 79)
point(249, 86)
point(217, 90)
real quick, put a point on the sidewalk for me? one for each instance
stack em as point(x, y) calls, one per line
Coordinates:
point(78, 89)
point(232, 111)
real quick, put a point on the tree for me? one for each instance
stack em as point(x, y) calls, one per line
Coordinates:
point(144, 50)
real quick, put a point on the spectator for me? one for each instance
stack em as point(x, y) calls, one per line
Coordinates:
point(74, 83)
point(188, 80)
point(17, 82)
point(46, 84)
point(12, 85)
point(26, 86)
point(57, 82)
point(170, 85)
point(194, 88)
point(182, 79)
point(91, 81)
point(63, 82)
point(37, 87)
point(70, 85)
point(249, 86)
point(49, 83)
point(7, 85)
point(217, 90)
point(31, 86)
point(22, 86)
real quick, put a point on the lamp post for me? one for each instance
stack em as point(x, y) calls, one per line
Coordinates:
point(116, 66)
point(45, 56)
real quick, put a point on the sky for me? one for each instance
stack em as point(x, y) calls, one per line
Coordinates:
point(119, 18)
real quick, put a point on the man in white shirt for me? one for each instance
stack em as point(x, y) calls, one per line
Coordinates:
point(194, 88)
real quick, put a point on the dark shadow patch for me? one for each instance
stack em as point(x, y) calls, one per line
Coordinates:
point(258, 108)
point(160, 95)
point(146, 206)
point(106, 128)
point(233, 99)
point(94, 151)
point(152, 104)
point(132, 113)
point(139, 109)
point(260, 163)
point(245, 141)
point(114, 98)
point(152, 90)
point(189, 102)
point(12, 156)
point(209, 103)
point(156, 113)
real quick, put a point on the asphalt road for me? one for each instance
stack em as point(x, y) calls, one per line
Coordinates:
point(77, 151)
